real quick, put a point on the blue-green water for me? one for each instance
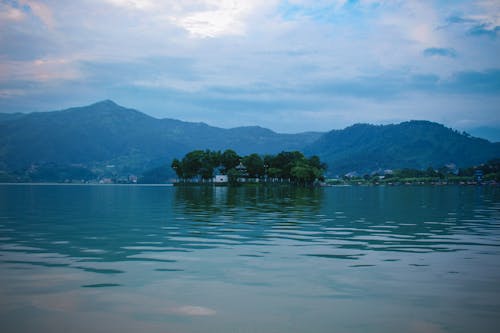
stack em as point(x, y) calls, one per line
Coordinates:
point(165, 259)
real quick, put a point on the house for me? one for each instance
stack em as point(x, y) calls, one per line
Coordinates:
point(220, 179)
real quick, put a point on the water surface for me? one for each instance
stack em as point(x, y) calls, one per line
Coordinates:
point(249, 259)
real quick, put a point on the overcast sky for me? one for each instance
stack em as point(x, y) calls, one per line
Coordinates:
point(290, 66)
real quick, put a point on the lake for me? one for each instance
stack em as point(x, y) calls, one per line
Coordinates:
point(249, 259)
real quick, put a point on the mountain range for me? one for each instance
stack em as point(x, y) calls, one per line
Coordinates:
point(104, 135)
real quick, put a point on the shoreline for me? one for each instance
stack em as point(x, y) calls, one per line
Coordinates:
point(84, 184)
point(247, 184)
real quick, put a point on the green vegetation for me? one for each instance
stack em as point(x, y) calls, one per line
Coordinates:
point(291, 167)
point(414, 145)
point(484, 173)
point(105, 142)
point(108, 134)
point(48, 173)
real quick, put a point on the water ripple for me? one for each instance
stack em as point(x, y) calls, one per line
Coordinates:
point(297, 245)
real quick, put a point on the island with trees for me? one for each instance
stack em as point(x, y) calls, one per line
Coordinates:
point(203, 166)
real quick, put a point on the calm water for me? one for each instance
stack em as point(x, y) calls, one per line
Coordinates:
point(165, 259)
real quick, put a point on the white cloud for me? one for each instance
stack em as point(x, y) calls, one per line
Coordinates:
point(40, 70)
point(133, 4)
point(236, 50)
point(201, 18)
point(226, 18)
point(490, 11)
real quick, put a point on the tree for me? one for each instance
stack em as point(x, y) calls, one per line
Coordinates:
point(274, 172)
point(293, 166)
point(285, 161)
point(228, 160)
point(306, 171)
point(177, 166)
point(192, 163)
point(429, 172)
point(302, 174)
point(254, 165)
point(232, 176)
point(207, 165)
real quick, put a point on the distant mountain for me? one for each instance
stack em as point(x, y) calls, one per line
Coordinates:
point(105, 133)
point(415, 144)
point(10, 116)
point(108, 139)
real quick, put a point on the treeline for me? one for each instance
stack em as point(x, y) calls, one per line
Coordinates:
point(292, 167)
point(490, 170)
point(485, 173)
point(48, 172)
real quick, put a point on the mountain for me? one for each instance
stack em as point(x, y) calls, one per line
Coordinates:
point(109, 139)
point(105, 133)
point(10, 116)
point(414, 144)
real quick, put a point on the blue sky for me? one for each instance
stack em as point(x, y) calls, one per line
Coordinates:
point(287, 65)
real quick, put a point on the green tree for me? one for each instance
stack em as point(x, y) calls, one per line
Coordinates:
point(228, 160)
point(306, 171)
point(232, 176)
point(192, 163)
point(429, 172)
point(285, 161)
point(207, 165)
point(302, 174)
point(254, 165)
point(177, 166)
point(274, 172)
point(286, 165)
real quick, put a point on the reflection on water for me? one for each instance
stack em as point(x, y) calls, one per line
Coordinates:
point(249, 259)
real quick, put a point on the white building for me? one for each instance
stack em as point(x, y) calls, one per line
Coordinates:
point(219, 179)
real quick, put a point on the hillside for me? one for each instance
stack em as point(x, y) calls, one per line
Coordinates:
point(415, 144)
point(110, 139)
point(108, 134)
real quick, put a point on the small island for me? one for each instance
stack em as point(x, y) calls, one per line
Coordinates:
point(228, 168)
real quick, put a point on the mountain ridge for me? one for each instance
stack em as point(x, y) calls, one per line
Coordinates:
point(105, 133)
point(414, 144)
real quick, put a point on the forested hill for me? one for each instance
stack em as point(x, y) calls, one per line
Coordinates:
point(106, 133)
point(103, 134)
point(414, 144)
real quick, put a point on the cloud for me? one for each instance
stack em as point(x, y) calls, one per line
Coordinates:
point(455, 19)
point(40, 10)
point(438, 51)
point(40, 70)
point(397, 85)
point(482, 19)
point(485, 30)
point(200, 18)
point(8, 13)
point(223, 18)
point(235, 62)
point(473, 82)
point(476, 26)
point(10, 93)
point(133, 4)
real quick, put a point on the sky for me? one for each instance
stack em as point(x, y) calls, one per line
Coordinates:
point(290, 65)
